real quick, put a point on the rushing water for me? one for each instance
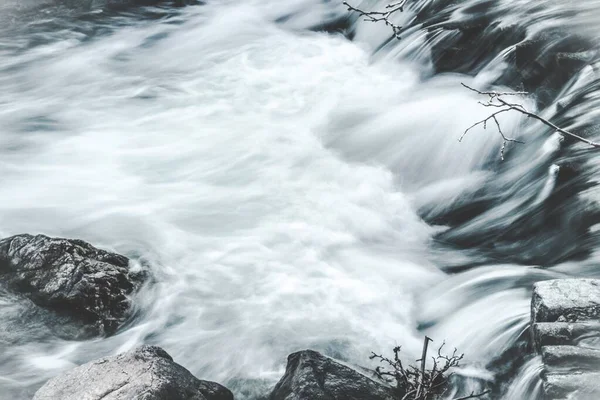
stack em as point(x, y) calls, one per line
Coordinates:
point(284, 185)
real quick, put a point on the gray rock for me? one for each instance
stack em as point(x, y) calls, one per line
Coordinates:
point(565, 330)
point(569, 359)
point(72, 278)
point(146, 373)
point(311, 376)
point(566, 300)
point(572, 386)
point(565, 333)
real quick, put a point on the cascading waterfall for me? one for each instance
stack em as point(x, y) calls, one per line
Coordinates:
point(527, 384)
point(285, 186)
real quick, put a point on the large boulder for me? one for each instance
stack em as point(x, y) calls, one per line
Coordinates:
point(312, 376)
point(566, 300)
point(145, 373)
point(88, 286)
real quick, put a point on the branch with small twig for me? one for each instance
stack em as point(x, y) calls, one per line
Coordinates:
point(497, 100)
point(474, 395)
point(419, 383)
point(382, 16)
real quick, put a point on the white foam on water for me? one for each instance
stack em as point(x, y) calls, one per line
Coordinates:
point(268, 176)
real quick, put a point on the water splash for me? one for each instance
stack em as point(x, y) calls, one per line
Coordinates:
point(528, 384)
point(287, 188)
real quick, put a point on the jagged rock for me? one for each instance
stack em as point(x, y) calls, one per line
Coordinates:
point(566, 300)
point(72, 278)
point(146, 373)
point(311, 376)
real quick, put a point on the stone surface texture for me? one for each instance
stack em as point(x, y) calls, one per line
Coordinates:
point(145, 373)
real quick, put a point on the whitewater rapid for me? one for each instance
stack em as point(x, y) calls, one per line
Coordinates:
point(273, 179)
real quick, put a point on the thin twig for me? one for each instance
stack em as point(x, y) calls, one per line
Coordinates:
point(474, 395)
point(382, 16)
point(416, 382)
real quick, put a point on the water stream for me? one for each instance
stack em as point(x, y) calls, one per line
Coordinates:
point(287, 187)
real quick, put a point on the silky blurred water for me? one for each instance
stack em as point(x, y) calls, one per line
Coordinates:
point(280, 183)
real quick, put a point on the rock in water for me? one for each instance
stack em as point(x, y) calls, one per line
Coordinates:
point(145, 373)
point(311, 376)
point(70, 277)
point(565, 331)
point(566, 300)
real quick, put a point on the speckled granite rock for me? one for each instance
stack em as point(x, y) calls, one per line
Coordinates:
point(146, 373)
point(566, 300)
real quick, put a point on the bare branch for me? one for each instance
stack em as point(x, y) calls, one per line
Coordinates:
point(496, 100)
point(419, 383)
point(382, 16)
point(473, 395)
point(496, 94)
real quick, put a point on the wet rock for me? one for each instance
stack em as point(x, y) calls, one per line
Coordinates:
point(565, 325)
point(575, 61)
point(546, 62)
point(434, 12)
point(566, 300)
point(147, 373)
point(465, 38)
point(470, 45)
point(587, 76)
point(89, 286)
point(572, 386)
point(563, 333)
point(311, 376)
point(570, 359)
point(183, 3)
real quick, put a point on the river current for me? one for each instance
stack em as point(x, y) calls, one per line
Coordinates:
point(288, 187)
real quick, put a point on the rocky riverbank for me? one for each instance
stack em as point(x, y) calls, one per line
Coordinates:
point(149, 373)
point(89, 291)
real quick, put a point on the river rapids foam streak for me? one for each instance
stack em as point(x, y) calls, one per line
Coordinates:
point(279, 182)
